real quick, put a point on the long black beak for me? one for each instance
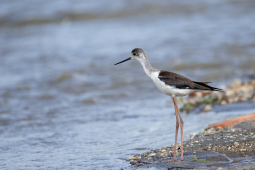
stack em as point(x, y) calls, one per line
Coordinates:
point(123, 61)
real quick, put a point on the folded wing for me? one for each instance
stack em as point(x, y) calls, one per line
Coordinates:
point(181, 82)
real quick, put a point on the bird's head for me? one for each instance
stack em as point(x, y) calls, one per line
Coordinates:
point(136, 54)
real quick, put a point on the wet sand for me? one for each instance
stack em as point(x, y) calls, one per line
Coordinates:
point(230, 147)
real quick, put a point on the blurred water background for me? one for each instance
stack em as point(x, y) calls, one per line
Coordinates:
point(64, 105)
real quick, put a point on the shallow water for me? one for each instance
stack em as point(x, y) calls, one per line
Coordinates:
point(64, 105)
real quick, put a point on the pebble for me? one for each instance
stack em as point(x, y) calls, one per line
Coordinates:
point(163, 150)
point(236, 144)
point(232, 141)
point(152, 154)
point(220, 168)
point(223, 102)
point(218, 129)
point(211, 130)
point(208, 108)
point(162, 154)
point(233, 130)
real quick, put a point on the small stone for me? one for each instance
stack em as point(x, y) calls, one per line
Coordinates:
point(132, 162)
point(208, 108)
point(231, 100)
point(162, 154)
point(236, 144)
point(218, 129)
point(220, 168)
point(223, 102)
point(133, 158)
point(152, 154)
point(163, 150)
point(211, 130)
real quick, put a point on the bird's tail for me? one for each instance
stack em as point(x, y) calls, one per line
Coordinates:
point(207, 87)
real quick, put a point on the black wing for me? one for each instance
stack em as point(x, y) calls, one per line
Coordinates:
point(182, 82)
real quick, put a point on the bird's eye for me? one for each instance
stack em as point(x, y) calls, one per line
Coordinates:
point(134, 54)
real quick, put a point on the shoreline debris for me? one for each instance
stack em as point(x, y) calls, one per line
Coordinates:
point(238, 91)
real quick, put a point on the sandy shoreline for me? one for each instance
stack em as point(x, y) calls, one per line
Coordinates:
point(230, 147)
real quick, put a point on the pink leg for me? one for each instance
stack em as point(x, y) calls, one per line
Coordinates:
point(181, 124)
point(176, 131)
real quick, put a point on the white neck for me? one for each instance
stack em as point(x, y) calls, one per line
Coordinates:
point(147, 67)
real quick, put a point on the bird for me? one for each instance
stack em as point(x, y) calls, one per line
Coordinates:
point(171, 84)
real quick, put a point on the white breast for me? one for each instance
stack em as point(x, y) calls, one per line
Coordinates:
point(167, 89)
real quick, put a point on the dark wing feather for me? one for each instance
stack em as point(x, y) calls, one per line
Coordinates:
point(204, 84)
point(176, 80)
point(182, 82)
